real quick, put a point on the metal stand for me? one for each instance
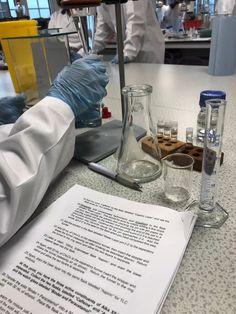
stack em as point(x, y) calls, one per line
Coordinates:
point(79, 28)
point(120, 49)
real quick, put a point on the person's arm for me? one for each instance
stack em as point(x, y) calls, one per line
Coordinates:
point(41, 142)
point(103, 31)
point(136, 16)
point(39, 146)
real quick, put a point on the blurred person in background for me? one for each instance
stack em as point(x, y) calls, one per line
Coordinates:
point(224, 6)
point(20, 9)
point(63, 21)
point(143, 39)
point(162, 11)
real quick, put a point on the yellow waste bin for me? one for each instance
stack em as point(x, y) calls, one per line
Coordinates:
point(23, 60)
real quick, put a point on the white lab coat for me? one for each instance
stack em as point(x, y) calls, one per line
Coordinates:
point(33, 152)
point(143, 39)
point(224, 6)
point(66, 24)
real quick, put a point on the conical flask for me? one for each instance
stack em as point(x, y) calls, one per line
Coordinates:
point(133, 161)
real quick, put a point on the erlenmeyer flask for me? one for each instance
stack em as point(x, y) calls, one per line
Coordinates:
point(133, 161)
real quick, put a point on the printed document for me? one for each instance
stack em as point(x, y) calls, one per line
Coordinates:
point(90, 252)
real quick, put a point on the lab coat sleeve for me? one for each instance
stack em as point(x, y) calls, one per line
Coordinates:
point(51, 23)
point(103, 31)
point(135, 27)
point(39, 146)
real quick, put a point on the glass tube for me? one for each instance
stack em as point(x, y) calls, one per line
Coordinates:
point(210, 213)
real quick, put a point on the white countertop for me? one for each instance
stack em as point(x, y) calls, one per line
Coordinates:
point(206, 280)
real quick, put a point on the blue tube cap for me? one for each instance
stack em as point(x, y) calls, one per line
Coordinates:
point(210, 94)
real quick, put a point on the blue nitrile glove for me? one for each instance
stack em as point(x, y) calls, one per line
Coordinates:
point(81, 84)
point(11, 108)
point(115, 60)
point(74, 55)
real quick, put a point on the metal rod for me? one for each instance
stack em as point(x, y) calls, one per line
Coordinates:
point(120, 48)
point(80, 31)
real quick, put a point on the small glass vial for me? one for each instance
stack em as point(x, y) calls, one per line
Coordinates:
point(160, 128)
point(174, 131)
point(201, 118)
point(189, 136)
point(167, 131)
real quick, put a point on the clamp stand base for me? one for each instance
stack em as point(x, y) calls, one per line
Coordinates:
point(208, 219)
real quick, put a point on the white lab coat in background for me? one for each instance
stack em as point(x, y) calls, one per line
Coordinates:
point(143, 39)
point(224, 6)
point(161, 13)
point(66, 24)
point(33, 152)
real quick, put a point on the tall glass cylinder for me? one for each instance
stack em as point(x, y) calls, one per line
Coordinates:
point(210, 213)
point(133, 161)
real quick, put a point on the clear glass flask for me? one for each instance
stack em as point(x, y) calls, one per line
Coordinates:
point(210, 213)
point(133, 160)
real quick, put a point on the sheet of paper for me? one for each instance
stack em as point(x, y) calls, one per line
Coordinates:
point(90, 252)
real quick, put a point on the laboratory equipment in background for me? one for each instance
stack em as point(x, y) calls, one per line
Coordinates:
point(34, 62)
point(88, 22)
point(222, 59)
point(210, 213)
point(12, 29)
point(84, 19)
point(133, 161)
point(201, 118)
point(177, 173)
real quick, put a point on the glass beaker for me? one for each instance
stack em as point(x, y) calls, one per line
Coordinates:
point(210, 213)
point(177, 172)
point(133, 161)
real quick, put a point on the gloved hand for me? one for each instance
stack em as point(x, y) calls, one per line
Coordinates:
point(74, 56)
point(11, 108)
point(81, 84)
point(115, 60)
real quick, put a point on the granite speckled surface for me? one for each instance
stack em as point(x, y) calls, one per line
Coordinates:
point(206, 280)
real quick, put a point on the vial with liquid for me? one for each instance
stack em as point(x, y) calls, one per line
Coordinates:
point(174, 131)
point(201, 118)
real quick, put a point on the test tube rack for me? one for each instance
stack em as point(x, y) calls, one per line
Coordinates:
point(167, 147)
point(197, 153)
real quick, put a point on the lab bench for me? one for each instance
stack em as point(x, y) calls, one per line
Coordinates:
point(188, 51)
point(206, 279)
